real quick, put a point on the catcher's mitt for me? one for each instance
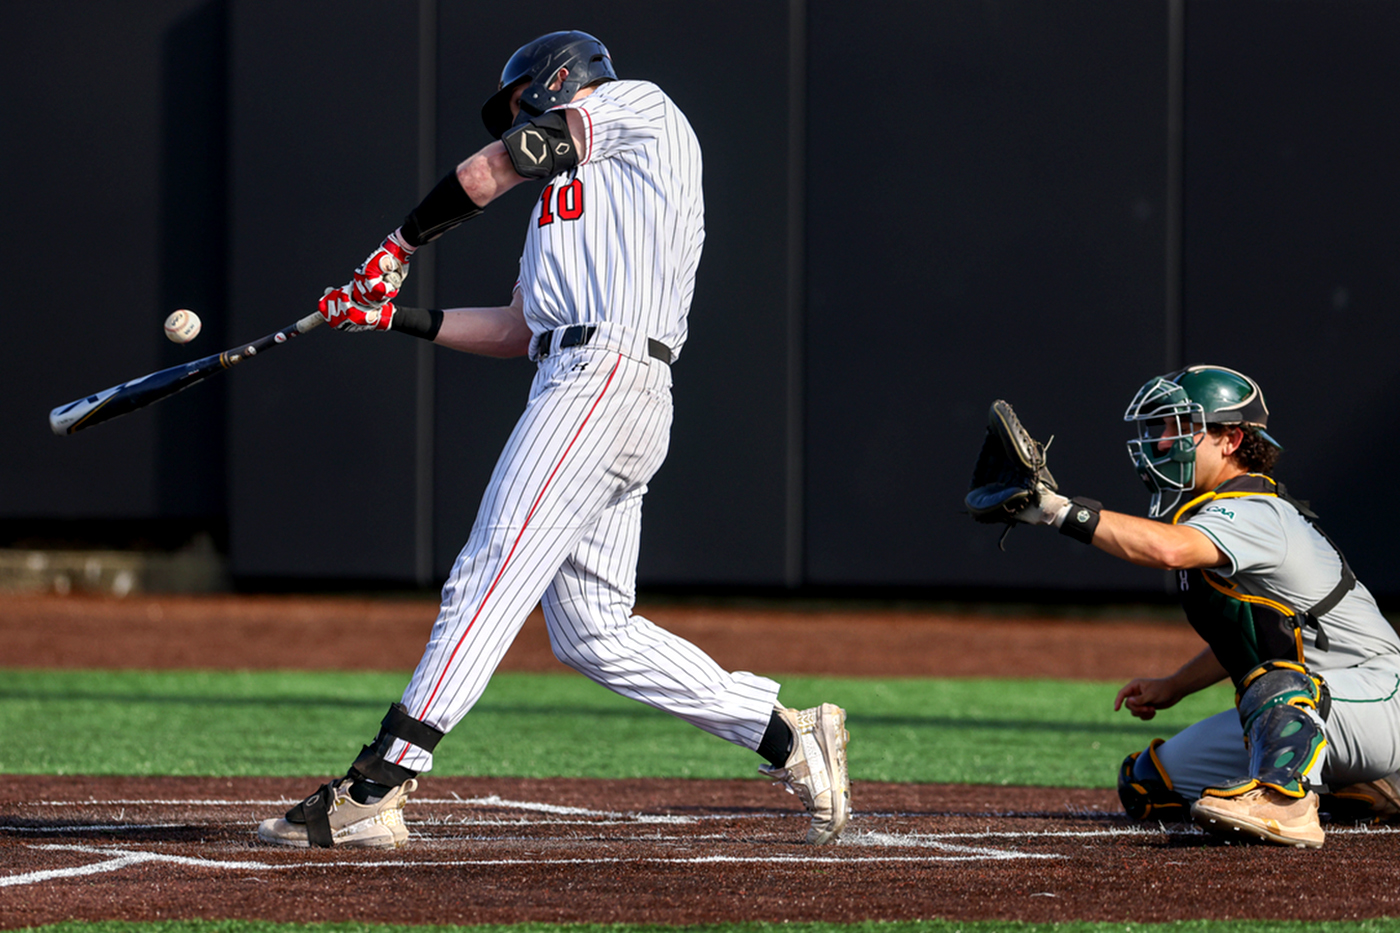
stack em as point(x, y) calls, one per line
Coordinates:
point(1010, 474)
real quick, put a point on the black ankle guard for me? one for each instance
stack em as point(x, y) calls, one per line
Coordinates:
point(397, 724)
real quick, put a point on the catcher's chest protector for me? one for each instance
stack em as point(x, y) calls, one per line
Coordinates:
point(1245, 631)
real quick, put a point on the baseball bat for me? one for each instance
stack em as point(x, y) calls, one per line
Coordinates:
point(138, 393)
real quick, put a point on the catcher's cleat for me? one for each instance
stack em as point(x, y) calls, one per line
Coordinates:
point(1262, 813)
point(1377, 800)
point(816, 768)
point(331, 817)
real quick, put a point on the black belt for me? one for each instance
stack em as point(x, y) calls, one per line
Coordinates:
point(579, 334)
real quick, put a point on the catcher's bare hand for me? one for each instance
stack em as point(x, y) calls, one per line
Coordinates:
point(1143, 696)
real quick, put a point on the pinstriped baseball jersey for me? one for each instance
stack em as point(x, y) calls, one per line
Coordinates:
point(618, 238)
point(613, 243)
point(607, 277)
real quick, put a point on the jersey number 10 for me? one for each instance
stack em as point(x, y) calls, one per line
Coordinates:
point(568, 203)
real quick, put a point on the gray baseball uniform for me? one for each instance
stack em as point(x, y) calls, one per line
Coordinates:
point(1275, 553)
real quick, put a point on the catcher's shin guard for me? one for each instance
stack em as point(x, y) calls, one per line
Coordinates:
point(1146, 790)
point(1282, 708)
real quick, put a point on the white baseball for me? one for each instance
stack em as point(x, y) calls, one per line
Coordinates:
point(182, 326)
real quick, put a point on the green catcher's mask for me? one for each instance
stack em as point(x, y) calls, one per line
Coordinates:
point(1171, 413)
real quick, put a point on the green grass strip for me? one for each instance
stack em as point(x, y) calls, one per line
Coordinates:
point(1039, 733)
point(1377, 925)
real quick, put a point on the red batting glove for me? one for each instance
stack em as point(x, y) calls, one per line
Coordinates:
point(344, 313)
point(380, 277)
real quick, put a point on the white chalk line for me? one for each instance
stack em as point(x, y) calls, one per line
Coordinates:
point(492, 801)
point(941, 843)
point(124, 858)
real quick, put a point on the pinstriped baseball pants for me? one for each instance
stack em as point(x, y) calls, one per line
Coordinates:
point(560, 525)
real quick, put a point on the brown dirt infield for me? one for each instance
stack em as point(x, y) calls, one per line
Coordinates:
point(673, 851)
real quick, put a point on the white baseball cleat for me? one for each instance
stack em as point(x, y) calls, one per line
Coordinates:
point(377, 825)
point(816, 768)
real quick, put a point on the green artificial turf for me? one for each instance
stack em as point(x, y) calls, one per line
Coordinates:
point(1036, 732)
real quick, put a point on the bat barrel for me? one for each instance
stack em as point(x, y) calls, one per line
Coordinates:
point(138, 393)
point(129, 396)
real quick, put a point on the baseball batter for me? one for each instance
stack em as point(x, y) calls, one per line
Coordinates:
point(1315, 665)
point(605, 287)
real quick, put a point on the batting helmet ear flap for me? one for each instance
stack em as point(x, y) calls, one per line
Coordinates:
point(495, 113)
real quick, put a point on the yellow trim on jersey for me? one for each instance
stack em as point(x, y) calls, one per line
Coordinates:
point(1206, 497)
point(1243, 597)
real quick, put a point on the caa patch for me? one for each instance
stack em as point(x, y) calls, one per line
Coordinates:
point(1219, 510)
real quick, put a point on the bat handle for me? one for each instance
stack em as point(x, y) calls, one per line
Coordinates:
point(310, 322)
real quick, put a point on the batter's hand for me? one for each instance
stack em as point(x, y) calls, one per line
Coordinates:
point(381, 275)
point(344, 313)
point(1145, 695)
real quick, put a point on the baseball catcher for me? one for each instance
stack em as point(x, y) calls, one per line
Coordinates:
point(1316, 667)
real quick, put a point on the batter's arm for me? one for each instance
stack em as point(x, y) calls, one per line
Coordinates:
point(1155, 544)
point(490, 173)
point(499, 332)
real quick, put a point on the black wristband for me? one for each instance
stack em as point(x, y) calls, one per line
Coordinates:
point(419, 322)
point(446, 206)
point(1082, 519)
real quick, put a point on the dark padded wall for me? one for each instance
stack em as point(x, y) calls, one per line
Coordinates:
point(111, 167)
point(1292, 248)
point(715, 511)
point(323, 165)
point(986, 196)
point(985, 181)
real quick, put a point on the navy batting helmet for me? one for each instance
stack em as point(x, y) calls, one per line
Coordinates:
point(538, 62)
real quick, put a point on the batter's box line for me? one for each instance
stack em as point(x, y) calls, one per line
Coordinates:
point(497, 802)
point(106, 827)
point(118, 859)
point(491, 801)
point(553, 809)
point(122, 858)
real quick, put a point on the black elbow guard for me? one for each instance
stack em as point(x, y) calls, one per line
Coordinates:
point(446, 206)
point(542, 147)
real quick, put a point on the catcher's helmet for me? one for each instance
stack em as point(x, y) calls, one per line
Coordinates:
point(538, 62)
point(1174, 408)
